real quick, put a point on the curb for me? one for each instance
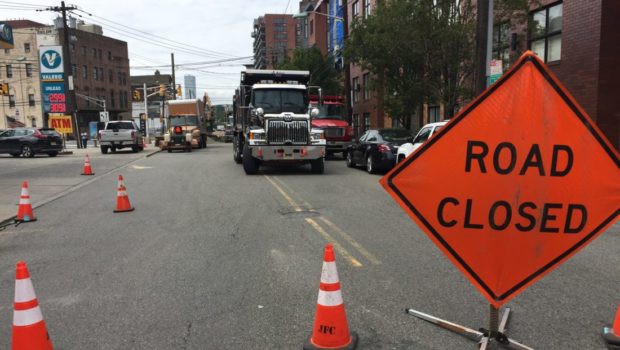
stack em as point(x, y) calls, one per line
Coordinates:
point(153, 153)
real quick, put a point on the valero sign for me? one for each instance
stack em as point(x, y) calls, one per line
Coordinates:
point(514, 185)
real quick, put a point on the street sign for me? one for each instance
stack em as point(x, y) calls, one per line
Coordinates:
point(62, 124)
point(495, 70)
point(514, 185)
point(104, 116)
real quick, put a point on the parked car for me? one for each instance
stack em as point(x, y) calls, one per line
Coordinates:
point(120, 134)
point(376, 149)
point(27, 142)
point(424, 134)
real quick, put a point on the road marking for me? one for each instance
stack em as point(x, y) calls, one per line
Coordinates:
point(139, 167)
point(354, 262)
point(352, 241)
point(291, 191)
point(284, 194)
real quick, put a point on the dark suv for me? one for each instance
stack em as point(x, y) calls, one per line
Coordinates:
point(26, 142)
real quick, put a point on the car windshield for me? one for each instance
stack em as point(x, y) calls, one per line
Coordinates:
point(120, 126)
point(276, 101)
point(330, 112)
point(49, 132)
point(395, 135)
point(183, 120)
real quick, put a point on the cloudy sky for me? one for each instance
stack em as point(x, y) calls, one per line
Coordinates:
point(196, 31)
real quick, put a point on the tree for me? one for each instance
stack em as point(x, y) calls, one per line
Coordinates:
point(417, 51)
point(322, 69)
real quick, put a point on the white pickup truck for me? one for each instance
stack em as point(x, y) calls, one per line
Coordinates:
point(120, 134)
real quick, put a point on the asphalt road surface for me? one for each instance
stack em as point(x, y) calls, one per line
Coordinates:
point(214, 259)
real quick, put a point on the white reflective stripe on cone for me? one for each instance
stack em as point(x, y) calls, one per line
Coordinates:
point(27, 317)
point(24, 191)
point(329, 274)
point(121, 194)
point(24, 201)
point(24, 291)
point(330, 298)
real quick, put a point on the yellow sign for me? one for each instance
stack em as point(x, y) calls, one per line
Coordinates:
point(62, 124)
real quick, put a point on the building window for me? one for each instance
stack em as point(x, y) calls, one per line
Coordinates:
point(7, 51)
point(27, 47)
point(355, 9)
point(111, 75)
point(124, 79)
point(83, 50)
point(356, 89)
point(433, 114)
point(72, 47)
point(120, 78)
point(311, 27)
point(73, 69)
point(366, 121)
point(367, 8)
point(12, 101)
point(112, 100)
point(501, 43)
point(31, 100)
point(109, 55)
point(546, 33)
point(85, 71)
point(100, 53)
point(279, 36)
point(9, 71)
point(28, 69)
point(95, 73)
point(94, 51)
point(366, 82)
point(101, 74)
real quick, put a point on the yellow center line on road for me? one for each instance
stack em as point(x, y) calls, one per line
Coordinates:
point(284, 194)
point(295, 194)
point(354, 262)
point(352, 242)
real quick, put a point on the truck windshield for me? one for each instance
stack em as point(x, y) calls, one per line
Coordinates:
point(120, 126)
point(183, 120)
point(276, 101)
point(330, 112)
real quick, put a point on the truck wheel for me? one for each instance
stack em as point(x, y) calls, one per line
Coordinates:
point(344, 154)
point(113, 149)
point(135, 148)
point(169, 150)
point(189, 147)
point(204, 142)
point(318, 165)
point(104, 149)
point(236, 153)
point(250, 164)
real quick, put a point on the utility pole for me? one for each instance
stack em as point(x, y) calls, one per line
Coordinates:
point(174, 81)
point(70, 93)
point(146, 109)
point(481, 46)
point(347, 68)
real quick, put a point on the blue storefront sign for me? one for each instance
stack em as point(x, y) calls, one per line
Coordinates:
point(53, 88)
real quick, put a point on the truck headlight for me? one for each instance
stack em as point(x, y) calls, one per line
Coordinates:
point(188, 137)
point(167, 137)
point(257, 135)
point(317, 134)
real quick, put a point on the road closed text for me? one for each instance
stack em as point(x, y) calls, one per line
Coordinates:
point(526, 216)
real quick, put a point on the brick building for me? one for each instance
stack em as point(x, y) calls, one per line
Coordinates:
point(274, 40)
point(312, 27)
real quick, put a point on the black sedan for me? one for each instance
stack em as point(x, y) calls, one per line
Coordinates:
point(376, 149)
point(26, 142)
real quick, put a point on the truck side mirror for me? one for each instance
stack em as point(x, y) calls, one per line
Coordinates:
point(260, 112)
point(314, 112)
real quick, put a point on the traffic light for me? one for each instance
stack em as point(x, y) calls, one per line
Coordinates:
point(5, 89)
point(179, 93)
point(162, 90)
point(137, 95)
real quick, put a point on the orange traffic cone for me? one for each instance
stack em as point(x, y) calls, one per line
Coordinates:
point(29, 330)
point(24, 211)
point(87, 169)
point(122, 199)
point(612, 335)
point(330, 330)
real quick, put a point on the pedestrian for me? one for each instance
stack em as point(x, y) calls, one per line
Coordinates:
point(84, 137)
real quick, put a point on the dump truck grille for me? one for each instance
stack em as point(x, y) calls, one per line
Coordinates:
point(281, 132)
point(333, 132)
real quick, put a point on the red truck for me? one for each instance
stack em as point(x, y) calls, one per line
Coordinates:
point(332, 119)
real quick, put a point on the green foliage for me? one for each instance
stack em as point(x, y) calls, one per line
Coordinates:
point(322, 69)
point(417, 51)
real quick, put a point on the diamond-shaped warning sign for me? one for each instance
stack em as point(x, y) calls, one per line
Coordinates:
point(514, 185)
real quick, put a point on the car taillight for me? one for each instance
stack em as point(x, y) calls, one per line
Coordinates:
point(38, 135)
point(133, 134)
point(384, 149)
point(99, 135)
point(178, 130)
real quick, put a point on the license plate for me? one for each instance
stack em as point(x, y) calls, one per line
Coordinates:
point(53, 143)
point(288, 156)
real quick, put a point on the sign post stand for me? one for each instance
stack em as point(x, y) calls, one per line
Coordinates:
point(485, 338)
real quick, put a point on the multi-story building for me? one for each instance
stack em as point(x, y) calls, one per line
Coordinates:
point(190, 86)
point(19, 67)
point(367, 110)
point(311, 27)
point(274, 40)
point(100, 68)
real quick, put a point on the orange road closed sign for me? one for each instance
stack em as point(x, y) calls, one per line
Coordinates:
point(514, 185)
